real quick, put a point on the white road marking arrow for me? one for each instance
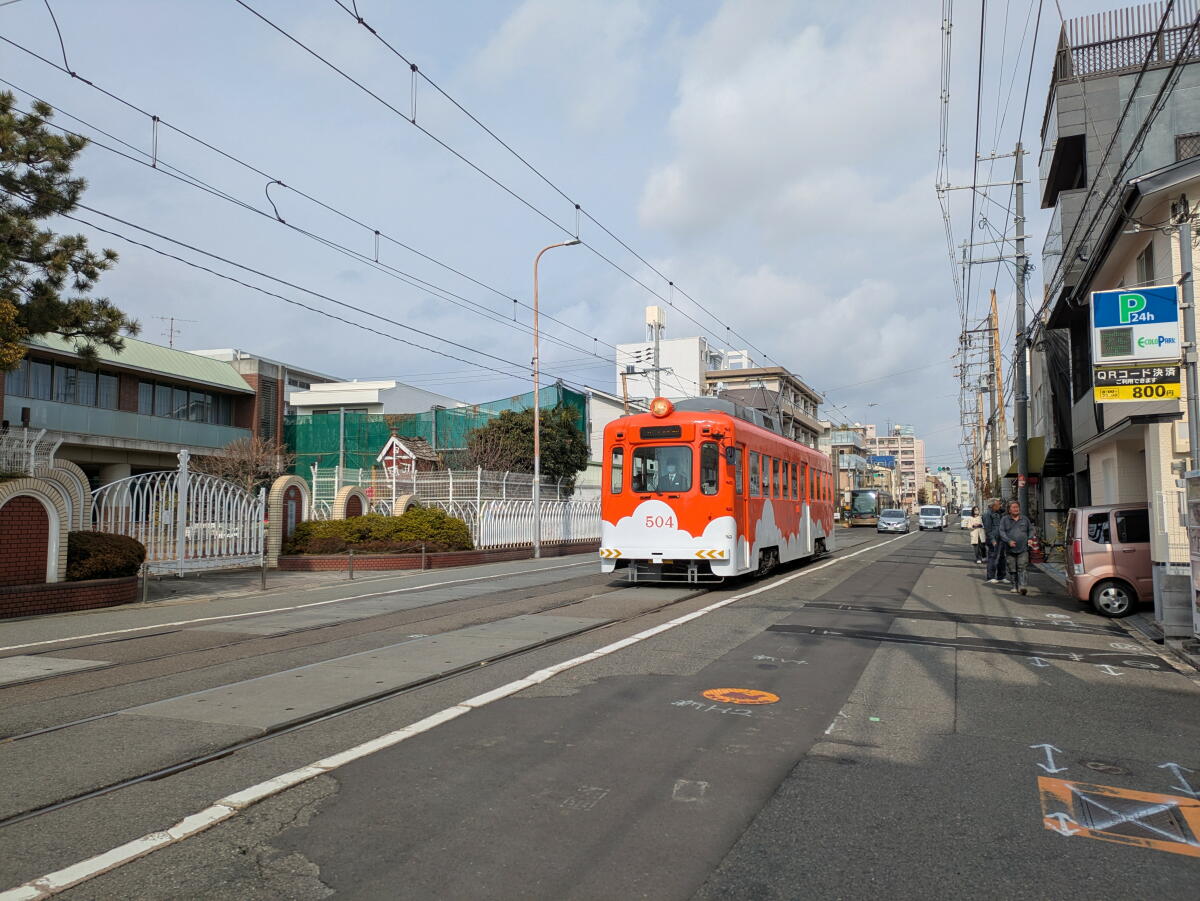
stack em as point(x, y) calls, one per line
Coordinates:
point(1037, 661)
point(1179, 771)
point(1049, 766)
point(1112, 671)
point(1060, 826)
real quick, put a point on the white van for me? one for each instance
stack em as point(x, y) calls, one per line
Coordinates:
point(931, 518)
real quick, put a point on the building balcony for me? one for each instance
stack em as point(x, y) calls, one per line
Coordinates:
point(78, 424)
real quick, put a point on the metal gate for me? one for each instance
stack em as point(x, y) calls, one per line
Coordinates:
point(186, 520)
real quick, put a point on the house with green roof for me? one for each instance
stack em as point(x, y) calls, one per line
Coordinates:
point(132, 411)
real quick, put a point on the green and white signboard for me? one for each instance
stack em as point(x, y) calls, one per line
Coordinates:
point(1135, 325)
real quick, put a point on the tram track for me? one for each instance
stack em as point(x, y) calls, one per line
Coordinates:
point(164, 772)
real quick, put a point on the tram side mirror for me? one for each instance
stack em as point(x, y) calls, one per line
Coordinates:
point(731, 455)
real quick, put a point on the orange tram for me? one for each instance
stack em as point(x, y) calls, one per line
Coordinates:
point(705, 489)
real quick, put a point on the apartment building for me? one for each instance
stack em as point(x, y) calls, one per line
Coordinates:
point(909, 451)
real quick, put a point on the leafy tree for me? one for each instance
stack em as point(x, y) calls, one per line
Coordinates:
point(44, 276)
point(922, 496)
point(505, 444)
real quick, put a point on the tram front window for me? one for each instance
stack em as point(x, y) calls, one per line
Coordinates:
point(662, 468)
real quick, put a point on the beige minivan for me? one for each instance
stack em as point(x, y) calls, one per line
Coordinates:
point(1108, 557)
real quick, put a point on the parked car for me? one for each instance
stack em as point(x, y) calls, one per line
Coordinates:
point(964, 519)
point(1108, 552)
point(892, 521)
point(931, 518)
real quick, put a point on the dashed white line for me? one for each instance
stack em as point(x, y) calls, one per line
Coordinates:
point(231, 805)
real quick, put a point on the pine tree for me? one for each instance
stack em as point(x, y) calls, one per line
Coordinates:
point(44, 276)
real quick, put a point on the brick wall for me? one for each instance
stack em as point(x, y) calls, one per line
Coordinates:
point(25, 528)
point(339, 562)
point(66, 597)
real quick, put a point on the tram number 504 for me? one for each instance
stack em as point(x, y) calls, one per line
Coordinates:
point(660, 522)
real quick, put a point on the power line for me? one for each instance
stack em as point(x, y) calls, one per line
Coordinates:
point(412, 120)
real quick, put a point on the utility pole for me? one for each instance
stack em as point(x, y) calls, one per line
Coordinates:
point(1000, 435)
point(1189, 329)
point(1020, 386)
point(656, 321)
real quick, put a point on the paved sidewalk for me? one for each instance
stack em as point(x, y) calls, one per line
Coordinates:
point(1000, 728)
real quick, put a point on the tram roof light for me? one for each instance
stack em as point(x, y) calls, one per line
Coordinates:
point(661, 407)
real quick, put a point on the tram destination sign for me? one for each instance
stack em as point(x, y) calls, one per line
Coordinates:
point(1113, 384)
point(1135, 325)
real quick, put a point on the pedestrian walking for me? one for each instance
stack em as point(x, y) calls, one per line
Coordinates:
point(996, 564)
point(1017, 534)
point(978, 536)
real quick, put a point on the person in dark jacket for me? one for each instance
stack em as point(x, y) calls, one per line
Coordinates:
point(1017, 534)
point(996, 564)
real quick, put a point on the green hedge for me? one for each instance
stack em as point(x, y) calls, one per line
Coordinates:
point(99, 555)
point(376, 533)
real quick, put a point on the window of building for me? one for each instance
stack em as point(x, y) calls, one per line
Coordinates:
point(298, 383)
point(86, 386)
point(755, 483)
point(108, 391)
point(710, 467)
point(64, 384)
point(617, 470)
point(1145, 265)
point(1187, 146)
point(40, 380)
point(146, 398)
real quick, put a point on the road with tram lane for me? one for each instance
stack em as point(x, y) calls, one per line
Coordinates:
point(879, 720)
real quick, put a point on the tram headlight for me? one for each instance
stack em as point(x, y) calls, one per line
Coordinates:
point(661, 407)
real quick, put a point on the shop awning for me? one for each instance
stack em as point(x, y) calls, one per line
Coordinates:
point(1037, 458)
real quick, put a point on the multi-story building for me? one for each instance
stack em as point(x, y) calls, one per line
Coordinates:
point(909, 451)
point(376, 396)
point(774, 391)
point(1098, 143)
point(683, 365)
point(847, 447)
point(273, 382)
point(131, 412)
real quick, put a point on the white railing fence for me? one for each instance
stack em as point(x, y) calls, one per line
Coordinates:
point(23, 449)
point(511, 523)
point(186, 520)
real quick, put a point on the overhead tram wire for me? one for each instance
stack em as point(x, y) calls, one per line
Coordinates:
point(966, 313)
point(521, 368)
point(730, 331)
point(162, 166)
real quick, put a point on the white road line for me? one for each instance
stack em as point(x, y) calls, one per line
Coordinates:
point(357, 597)
point(231, 805)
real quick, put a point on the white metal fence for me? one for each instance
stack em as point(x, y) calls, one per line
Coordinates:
point(186, 520)
point(511, 523)
point(23, 449)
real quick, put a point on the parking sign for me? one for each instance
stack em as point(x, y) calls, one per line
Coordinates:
point(1135, 324)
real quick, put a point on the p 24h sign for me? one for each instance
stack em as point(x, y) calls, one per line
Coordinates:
point(1134, 325)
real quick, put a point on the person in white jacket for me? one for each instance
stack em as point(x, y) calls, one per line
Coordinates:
point(978, 537)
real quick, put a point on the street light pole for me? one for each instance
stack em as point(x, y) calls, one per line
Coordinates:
point(537, 412)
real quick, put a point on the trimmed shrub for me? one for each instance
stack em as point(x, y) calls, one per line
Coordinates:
point(379, 534)
point(100, 555)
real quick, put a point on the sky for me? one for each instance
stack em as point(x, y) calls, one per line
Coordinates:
point(764, 169)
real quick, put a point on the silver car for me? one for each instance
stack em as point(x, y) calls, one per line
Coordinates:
point(892, 521)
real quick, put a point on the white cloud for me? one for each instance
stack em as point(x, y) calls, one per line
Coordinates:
point(586, 52)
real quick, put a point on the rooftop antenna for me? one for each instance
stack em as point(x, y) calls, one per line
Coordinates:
point(170, 331)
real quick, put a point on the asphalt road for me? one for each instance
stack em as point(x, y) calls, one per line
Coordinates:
point(917, 733)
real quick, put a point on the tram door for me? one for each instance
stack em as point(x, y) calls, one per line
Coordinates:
point(740, 514)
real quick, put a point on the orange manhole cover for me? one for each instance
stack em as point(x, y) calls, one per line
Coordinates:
point(740, 696)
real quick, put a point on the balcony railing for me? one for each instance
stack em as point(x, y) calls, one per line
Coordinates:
point(118, 424)
point(1123, 54)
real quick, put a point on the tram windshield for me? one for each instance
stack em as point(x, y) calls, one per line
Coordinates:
point(865, 502)
point(662, 468)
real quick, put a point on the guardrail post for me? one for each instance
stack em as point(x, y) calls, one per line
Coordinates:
point(146, 583)
point(422, 556)
point(350, 565)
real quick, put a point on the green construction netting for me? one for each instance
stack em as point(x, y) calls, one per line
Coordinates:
point(318, 438)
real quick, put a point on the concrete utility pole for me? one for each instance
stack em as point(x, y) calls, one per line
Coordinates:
point(1020, 386)
point(537, 413)
point(656, 321)
point(1189, 331)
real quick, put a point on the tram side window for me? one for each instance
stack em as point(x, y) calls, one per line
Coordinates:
point(755, 490)
point(618, 469)
point(804, 491)
point(737, 471)
point(662, 468)
point(783, 474)
point(766, 481)
point(775, 477)
point(710, 467)
point(795, 487)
